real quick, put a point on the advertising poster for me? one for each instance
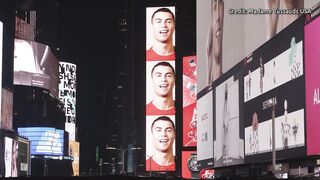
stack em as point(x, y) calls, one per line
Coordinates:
point(189, 101)
point(160, 89)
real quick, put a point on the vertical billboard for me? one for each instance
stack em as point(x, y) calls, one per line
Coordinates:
point(67, 94)
point(11, 157)
point(189, 87)
point(228, 140)
point(74, 151)
point(160, 89)
point(312, 54)
point(23, 163)
point(35, 65)
point(6, 109)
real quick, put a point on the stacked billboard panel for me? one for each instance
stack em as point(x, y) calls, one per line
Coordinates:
point(237, 102)
point(160, 89)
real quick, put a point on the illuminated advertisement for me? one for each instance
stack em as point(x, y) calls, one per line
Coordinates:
point(228, 143)
point(6, 109)
point(23, 162)
point(67, 94)
point(270, 65)
point(205, 128)
point(74, 151)
point(35, 65)
point(189, 101)
point(44, 140)
point(160, 89)
point(11, 157)
point(274, 90)
point(189, 165)
point(312, 63)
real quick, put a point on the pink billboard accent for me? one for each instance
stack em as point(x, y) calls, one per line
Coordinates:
point(312, 65)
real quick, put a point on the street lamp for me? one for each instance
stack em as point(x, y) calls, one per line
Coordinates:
point(122, 150)
point(113, 165)
point(122, 154)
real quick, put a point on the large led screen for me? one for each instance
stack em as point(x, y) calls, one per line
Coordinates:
point(274, 90)
point(189, 87)
point(6, 109)
point(271, 59)
point(35, 65)
point(44, 140)
point(67, 94)
point(205, 128)
point(11, 147)
point(216, 37)
point(160, 89)
point(312, 54)
point(23, 162)
point(228, 142)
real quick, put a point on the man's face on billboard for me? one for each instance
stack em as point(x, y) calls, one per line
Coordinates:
point(163, 27)
point(163, 81)
point(217, 7)
point(163, 135)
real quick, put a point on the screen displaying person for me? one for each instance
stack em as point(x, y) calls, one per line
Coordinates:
point(214, 41)
point(163, 137)
point(163, 82)
point(273, 18)
point(14, 161)
point(163, 26)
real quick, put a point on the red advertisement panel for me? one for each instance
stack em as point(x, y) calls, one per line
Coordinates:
point(189, 165)
point(189, 101)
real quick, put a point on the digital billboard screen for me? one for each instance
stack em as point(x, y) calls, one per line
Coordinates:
point(189, 88)
point(228, 141)
point(160, 89)
point(312, 64)
point(44, 140)
point(67, 94)
point(189, 165)
point(11, 157)
point(274, 89)
point(205, 128)
point(35, 65)
point(270, 70)
point(6, 109)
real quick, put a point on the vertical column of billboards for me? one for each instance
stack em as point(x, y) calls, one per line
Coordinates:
point(16, 150)
point(67, 94)
point(189, 89)
point(236, 110)
point(160, 89)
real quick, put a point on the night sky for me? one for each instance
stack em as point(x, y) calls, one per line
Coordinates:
point(86, 33)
